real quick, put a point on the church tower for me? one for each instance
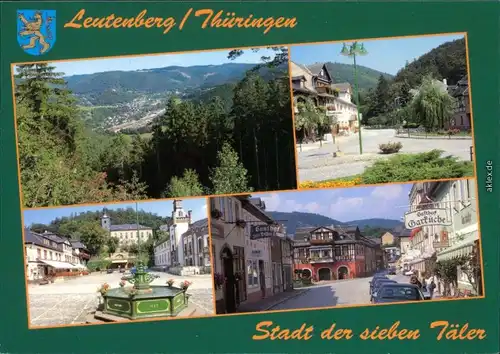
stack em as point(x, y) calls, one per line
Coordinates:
point(180, 224)
point(106, 222)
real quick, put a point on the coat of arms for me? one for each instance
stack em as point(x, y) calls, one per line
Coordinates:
point(36, 30)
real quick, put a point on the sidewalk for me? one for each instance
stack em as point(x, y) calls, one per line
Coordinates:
point(269, 302)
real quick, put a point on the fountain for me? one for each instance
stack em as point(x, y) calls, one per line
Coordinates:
point(142, 300)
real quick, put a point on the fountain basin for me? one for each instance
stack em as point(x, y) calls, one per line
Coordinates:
point(161, 301)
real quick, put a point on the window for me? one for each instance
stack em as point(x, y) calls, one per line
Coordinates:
point(38, 253)
point(230, 211)
point(221, 205)
point(237, 211)
point(253, 273)
point(44, 254)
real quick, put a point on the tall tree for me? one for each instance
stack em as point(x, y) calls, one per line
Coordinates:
point(230, 176)
point(433, 105)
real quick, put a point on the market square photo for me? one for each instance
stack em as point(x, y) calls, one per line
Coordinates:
point(382, 110)
point(355, 246)
point(118, 263)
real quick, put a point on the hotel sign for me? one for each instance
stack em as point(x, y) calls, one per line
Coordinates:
point(264, 231)
point(426, 217)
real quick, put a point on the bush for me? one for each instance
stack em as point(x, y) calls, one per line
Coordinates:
point(97, 264)
point(414, 167)
point(390, 148)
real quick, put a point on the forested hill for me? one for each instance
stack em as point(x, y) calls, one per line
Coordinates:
point(113, 87)
point(447, 61)
point(69, 225)
point(373, 227)
point(367, 78)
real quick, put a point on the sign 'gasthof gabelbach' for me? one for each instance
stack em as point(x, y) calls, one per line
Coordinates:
point(427, 217)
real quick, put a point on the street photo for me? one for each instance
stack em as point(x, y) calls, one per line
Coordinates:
point(342, 247)
point(152, 127)
point(382, 110)
point(118, 262)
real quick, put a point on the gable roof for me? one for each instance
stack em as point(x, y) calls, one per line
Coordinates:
point(342, 87)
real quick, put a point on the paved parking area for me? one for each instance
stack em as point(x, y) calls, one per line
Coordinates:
point(71, 301)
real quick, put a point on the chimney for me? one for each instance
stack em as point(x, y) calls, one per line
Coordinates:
point(445, 82)
point(189, 215)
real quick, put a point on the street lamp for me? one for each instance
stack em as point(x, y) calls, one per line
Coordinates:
point(352, 51)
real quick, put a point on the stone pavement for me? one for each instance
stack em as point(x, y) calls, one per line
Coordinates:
point(70, 302)
point(272, 301)
point(319, 164)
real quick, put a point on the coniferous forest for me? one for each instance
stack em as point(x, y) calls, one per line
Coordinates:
point(197, 147)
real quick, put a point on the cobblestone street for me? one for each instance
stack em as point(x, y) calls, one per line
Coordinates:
point(70, 302)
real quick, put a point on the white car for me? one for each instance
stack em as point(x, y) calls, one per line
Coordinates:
point(409, 272)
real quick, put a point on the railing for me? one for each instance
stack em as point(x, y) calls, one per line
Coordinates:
point(321, 242)
point(321, 259)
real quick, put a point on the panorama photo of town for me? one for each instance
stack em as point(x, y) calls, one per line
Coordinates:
point(118, 262)
point(382, 110)
point(339, 247)
point(149, 127)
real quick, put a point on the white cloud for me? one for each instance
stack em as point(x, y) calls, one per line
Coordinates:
point(272, 202)
point(342, 208)
point(389, 192)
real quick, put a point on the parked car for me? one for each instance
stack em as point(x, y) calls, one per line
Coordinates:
point(409, 272)
point(397, 292)
point(110, 270)
point(374, 279)
point(392, 271)
point(380, 283)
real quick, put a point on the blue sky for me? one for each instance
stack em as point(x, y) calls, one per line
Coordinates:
point(387, 55)
point(385, 202)
point(161, 208)
point(89, 66)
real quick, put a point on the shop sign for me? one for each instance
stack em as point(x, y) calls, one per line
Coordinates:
point(264, 231)
point(443, 242)
point(466, 217)
point(426, 217)
point(256, 253)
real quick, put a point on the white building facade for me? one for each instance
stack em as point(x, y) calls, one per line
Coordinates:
point(441, 242)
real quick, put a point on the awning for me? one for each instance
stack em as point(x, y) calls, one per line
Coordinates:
point(461, 248)
point(59, 265)
point(122, 261)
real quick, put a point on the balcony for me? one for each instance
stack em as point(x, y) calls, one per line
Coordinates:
point(321, 260)
point(344, 258)
point(321, 242)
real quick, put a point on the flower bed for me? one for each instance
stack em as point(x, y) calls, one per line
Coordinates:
point(329, 184)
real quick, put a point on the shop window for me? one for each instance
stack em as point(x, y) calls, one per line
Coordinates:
point(253, 274)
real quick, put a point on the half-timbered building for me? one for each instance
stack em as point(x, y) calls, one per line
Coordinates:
point(334, 252)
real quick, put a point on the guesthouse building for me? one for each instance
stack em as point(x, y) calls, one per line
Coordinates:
point(334, 252)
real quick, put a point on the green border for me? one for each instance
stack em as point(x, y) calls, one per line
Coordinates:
point(317, 21)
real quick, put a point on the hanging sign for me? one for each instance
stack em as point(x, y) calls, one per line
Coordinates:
point(426, 217)
point(264, 231)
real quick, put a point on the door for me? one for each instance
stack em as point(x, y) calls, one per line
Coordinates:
point(229, 286)
point(324, 274)
point(239, 268)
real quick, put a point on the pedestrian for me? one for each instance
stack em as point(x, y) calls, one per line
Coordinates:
point(432, 286)
point(424, 284)
point(414, 280)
